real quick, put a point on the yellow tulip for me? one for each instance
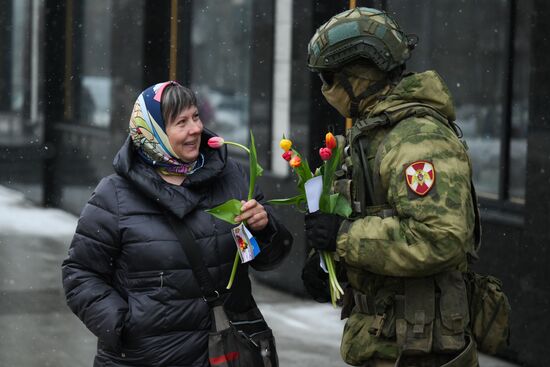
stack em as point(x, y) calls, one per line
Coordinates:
point(285, 144)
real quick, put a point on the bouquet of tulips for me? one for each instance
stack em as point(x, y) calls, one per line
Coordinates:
point(232, 208)
point(329, 202)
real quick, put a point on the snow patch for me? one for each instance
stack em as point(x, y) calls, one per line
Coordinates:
point(19, 216)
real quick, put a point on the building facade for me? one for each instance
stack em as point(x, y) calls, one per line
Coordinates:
point(71, 70)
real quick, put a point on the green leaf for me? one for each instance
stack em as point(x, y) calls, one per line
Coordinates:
point(335, 203)
point(295, 200)
point(255, 169)
point(324, 203)
point(226, 211)
point(342, 207)
point(329, 168)
point(303, 171)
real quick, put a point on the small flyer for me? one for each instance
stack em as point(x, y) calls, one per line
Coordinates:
point(246, 243)
point(314, 188)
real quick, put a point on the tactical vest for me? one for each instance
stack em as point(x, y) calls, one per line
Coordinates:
point(431, 316)
point(361, 186)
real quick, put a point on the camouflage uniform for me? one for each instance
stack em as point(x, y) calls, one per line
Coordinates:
point(408, 178)
point(426, 235)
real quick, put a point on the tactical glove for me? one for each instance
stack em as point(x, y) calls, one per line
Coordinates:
point(315, 279)
point(321, 230)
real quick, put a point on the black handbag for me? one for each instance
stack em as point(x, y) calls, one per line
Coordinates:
point(236, 339)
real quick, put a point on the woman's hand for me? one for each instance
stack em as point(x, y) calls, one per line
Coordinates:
point(254, 214)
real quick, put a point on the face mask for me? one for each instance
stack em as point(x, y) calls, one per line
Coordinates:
point(361, 77)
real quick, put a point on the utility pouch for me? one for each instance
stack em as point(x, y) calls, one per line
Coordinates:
point(343, 186)
point(451, 313)
point(489, 312)
point(384, 318)
point(414, 331)
point(348, 303)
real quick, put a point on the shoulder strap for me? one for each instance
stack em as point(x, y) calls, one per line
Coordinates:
point(402, 111)
point(393, 115)
point(192, 251)
point(477, 225)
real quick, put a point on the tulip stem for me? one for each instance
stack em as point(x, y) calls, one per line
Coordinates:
point(236, 261)
point(335, 288)
point(237, 145)
point(233, 271)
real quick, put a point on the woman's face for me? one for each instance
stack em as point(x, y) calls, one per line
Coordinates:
point(184, 134)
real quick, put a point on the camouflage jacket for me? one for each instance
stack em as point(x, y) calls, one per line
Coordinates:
point(430, 232)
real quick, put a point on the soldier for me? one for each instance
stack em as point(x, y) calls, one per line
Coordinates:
point(408, 178)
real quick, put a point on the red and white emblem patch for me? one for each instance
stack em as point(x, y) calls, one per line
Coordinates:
point(420, 177)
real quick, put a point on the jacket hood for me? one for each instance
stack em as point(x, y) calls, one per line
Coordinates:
point(180, 200)
point(427, 88)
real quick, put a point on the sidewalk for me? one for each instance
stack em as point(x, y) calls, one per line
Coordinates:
point(39, 330)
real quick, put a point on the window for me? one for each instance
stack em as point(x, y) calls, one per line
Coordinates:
point(21, 111)
point(520, 101)
point(220, 63)
point(19, 67)
point(468, 43)
point(92, 70)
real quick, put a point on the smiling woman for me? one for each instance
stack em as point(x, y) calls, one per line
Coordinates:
point(184, 131)
point(151, 311)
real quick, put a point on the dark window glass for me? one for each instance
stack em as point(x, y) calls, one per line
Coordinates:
point(466, 42)
point(93, 63)
point(220, 65)
point(21, 117)
point(19, 62)
point(520, 103)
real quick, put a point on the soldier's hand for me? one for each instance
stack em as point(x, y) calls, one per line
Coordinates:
point(321, 230)
point(315, 279)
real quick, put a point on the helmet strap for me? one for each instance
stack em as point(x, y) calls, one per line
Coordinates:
point(356, 100)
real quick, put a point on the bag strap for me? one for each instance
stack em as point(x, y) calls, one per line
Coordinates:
point(192, 251)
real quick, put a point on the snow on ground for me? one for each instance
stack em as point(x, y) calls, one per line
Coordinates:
point(19, 216)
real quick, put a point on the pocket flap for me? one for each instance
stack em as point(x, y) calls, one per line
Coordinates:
point(419, 302)
point(453, 301)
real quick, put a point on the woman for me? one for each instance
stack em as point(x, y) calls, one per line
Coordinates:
point(127, 277)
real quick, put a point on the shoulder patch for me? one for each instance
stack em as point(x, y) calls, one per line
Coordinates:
point(420, 177)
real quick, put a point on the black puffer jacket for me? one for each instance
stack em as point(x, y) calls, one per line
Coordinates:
point(127, 277)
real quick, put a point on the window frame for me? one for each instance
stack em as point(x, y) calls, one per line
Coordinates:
point(502, 201)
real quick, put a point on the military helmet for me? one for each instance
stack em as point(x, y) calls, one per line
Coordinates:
point(359, 33)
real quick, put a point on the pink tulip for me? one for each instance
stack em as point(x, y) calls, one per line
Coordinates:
point(325, 153)
point(215, 142)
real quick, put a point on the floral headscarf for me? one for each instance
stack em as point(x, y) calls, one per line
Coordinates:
point(148, 133)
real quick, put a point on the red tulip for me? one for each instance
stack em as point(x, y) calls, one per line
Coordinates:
point(330, 141)
point(325, 153)
point(215, 142)
point(287, 155)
